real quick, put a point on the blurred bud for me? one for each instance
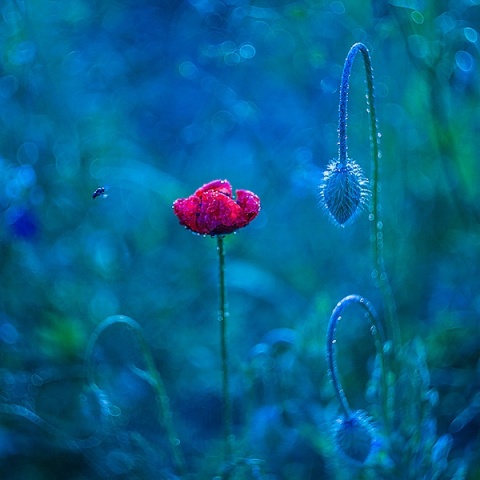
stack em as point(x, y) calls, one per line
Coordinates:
point(354, 437)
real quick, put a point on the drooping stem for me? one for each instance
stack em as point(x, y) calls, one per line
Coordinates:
point(150, 375)
point(379, 272)
point(379, 337)
point(222, 319)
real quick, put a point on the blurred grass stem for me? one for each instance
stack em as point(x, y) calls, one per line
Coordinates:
point(150, 375)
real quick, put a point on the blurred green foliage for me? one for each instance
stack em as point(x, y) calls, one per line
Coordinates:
point(153, 98)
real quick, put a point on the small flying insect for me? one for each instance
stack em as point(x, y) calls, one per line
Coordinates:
point(100, 192)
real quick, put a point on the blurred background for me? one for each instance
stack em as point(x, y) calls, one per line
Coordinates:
point(152, 99)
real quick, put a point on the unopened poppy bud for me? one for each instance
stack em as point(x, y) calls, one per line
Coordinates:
point(344, 191)
point(354, 437)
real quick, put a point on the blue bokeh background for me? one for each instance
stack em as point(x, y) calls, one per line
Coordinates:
point(154, 98)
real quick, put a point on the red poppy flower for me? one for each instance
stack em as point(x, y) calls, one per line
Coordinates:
point(211, 210)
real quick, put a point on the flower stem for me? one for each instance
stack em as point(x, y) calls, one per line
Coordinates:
point(379, 272)
point(222, 318)
point(379, 336)
point(150, 375)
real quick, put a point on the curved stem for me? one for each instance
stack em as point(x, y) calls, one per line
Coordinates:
point(379, 336)
point(151, 375)
point(379, 272)
point(342, 105)
point(222, 319)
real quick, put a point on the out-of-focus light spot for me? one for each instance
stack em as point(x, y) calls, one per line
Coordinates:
point(67, 157)
point(8, 86)
point(445, 22)
point(188, 69)
point(239, 13)
point(214, 20)
point(74, 63)
point(232, 58)
point(192, 134)
point(316, 59)
point(470, 34)
point(210, 51)
point(8, 333)
point(22, 54)
point(75, 11)
point(12, 15)
point(244, 110)
point(202, 5)
point(329, 84)
point(27, 153)
point(22, 222)
point(304, 155)
point(36, 78)
point(103, 303)
point(37, 195)
point(26, 176)
point(417, 17)
point(410, 4)
point(247, 51)
point(223, 121)
point(232, 54)
point(103, 252)
point(21, 179)
point(359, 34)
point(464, 61)
point(36, 380)
point(418, 45)
point(381, 90)
point(282, 42)
point(337, 7)
point(228, 47)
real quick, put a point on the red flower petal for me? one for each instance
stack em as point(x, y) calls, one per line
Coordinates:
point(211, 210)
point(249, 203)
point(222, 186)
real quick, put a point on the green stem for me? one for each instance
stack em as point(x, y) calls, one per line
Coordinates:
point(151, 375)
point(222, 319)
point(379, 272)
point(375, 217)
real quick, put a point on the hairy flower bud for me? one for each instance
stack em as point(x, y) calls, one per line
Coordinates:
point(354, 437)
point(344, 191)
